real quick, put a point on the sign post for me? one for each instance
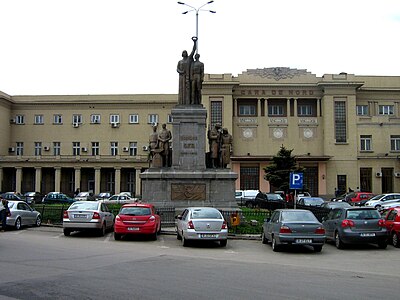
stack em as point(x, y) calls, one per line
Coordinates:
point(295, 183)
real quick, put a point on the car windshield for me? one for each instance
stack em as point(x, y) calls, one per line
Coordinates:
point(274, 197)
point(83, 194)
point(377, 197)
point(135, 211)
point(363, 214)
point(315, 201)
point(298, 216)
point(206, 214)
point(84, 206)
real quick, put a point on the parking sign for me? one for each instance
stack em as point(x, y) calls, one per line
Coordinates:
point(296, 181)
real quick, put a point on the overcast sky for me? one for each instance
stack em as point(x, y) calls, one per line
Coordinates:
point(132, 47)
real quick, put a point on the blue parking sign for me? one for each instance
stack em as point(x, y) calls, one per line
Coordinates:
point(296, 181)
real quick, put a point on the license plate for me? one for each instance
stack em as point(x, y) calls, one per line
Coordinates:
point(303, 241)
point(80, 216)
point(208, 235)
point(133, 228)
point(367, 234)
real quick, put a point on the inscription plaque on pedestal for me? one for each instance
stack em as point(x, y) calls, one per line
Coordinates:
point(188, 192)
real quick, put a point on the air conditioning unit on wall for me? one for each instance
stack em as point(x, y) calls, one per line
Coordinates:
point(46, 148)
point(126, 149)
point(378, 174)
point(397, 174)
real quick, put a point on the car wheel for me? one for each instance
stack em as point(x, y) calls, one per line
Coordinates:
point(264, 239)
point(223, 243)
point(38, 221)
point(18, 224)
point(67, 232)
point(338, 242)
point(382, 245)
point(275, 246)
point(184, 241)
point(159, 230)
point(117, 236)
point(317, 248)
point(178, 236)
point(378, 207)
point(395, 240)
point(103, 230)
point(154, 236)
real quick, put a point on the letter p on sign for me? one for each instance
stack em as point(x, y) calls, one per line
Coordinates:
point(296, 181)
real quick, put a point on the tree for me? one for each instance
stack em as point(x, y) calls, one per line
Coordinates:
point(278, 172)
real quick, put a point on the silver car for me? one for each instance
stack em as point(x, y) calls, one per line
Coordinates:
point(293, 227)
point(22, 215)
point(85, 215)
point(203, 224)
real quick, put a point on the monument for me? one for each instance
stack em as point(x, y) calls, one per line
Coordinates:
point(184, 180)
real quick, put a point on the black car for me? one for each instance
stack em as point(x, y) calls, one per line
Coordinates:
point(57, 198)
point(266, 200)
point(33, 197)
point(11, 196)
point(332, 205)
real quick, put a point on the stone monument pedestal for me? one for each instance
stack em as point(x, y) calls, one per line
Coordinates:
point(188, 182)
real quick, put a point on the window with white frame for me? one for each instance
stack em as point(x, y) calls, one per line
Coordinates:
point(114, 119)
point(132, 148)
point(19, 119)
point(247, 110)
point(95, 119)
point(362, 110)
point(340, 122)
point(114, 148)
point(169, 119)
point(275, 110)
point(386, 109)
point(95, 148)
point(38, 119)
point(366, 142)
point(76, 119)
point(133, 119)
point(19, 149)
point(57, 119)
point(56, 148)
point(38, 148)
point(76, 148)
point(152, 119)
point(305, 110)
point(215, 113)
point(395, 143)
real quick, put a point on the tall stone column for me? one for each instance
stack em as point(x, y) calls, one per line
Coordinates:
point(138, 183)
point(18, 179)
point(318, 114)
point(38, 179)
point(57, 179)
point(117, 180)
point(77, 178)
point(97, 180)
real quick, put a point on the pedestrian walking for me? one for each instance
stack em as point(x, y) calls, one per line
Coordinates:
point(4, 210)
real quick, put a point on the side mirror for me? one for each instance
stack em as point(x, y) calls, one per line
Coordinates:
point(267, 220)
point(179, 217)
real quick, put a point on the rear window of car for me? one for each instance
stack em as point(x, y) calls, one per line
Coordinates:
point(206, 214)
point(135, 211)
point(313, 201)
point(298, 216)
point(362, 214)
point(274, 197)
point(84, 206)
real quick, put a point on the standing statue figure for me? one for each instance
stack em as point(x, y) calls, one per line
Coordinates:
point(183, 69)
point(197, 77)
point(154, 152)
point(164, 137)
point(226, 147)
point(214, 138)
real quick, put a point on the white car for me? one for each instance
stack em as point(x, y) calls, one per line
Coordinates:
point(378, 200)
point(390, 205)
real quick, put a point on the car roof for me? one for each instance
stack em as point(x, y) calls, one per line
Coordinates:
point(289, 209)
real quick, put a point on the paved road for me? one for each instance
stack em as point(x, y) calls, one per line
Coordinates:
point(40, 263)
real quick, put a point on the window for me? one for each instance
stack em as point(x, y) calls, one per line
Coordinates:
point(275, 110)
point(215, 113)
point(249, 178)
point(19, 149)
point(247, 110)
point(114, 119)
point(386, 109)
point(95, 119)
point(133, 119)
point(77, 119)
point(153, 119)
point(95, 148)
point(57, 119)
point(305, 110)
point(366, 143)
point(114, 148)
point(132, 148)
point(56, 148)
point(19, 119)
point(340, 122)
point(39, 119)
point(38, 148)
point(362, 110)
point(76, 148)
point(169, 119)
point(395, 143)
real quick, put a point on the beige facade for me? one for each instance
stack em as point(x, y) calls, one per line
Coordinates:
point(344, 129)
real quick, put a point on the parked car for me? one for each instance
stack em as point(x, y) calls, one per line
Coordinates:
point(386, 206)
point(121, 198)
point(392, 223)
point(302, 194)
point(357, 197)
point(266, 200)
point(21, 214)
point(378, 200)
point(102, 196)
point(87, 215)
point(355, 225)
point(55, 197)
point(332, 205)
point(293, 227)
point(137, 218)
point(33, 197)
point(202, 224)
point(310, 201)
point(242, 196)
point(13, 196)
point(85, 196)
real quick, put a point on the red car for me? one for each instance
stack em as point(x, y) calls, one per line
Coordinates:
point(357, 197)
point(137, 218)
point(392, 218)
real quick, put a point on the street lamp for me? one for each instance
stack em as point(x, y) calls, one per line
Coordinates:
point(197, 16)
